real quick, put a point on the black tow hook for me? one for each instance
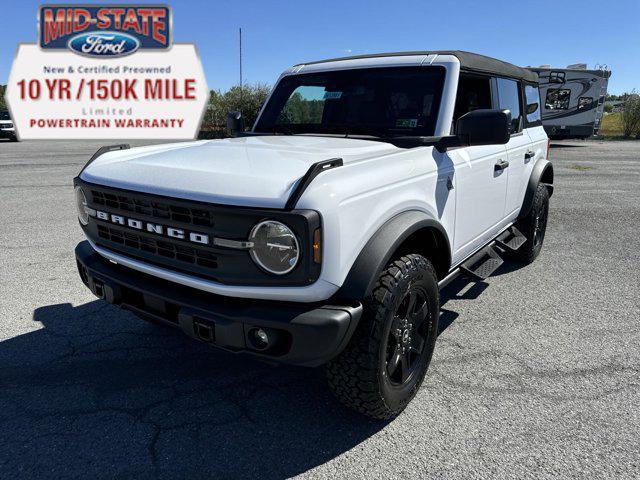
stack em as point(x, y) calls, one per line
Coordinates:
point(204, 331)
point(98, 289)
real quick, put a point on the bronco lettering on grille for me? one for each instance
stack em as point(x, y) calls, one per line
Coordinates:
point(195, 237)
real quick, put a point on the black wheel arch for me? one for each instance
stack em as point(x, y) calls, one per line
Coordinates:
point(542, 174)
point(407, 232)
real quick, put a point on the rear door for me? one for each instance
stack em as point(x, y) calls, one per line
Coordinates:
point(533, 128)
point(519, 153)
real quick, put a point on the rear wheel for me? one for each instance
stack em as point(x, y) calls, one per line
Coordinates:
point(534, 227)
point(382, 368)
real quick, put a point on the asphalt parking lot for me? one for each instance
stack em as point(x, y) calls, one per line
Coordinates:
point(536, 373)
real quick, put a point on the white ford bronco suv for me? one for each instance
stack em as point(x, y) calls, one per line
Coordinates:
point(324, 234)
point(7, 129)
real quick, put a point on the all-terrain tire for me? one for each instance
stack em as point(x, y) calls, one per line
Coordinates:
point(362, 376)
point(533, 226)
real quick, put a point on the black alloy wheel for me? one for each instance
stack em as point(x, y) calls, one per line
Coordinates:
point(383, 366)
point(407, 337)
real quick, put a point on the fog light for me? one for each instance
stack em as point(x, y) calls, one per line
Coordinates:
point(258, 338)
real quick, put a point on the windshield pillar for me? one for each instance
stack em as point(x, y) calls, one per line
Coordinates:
point(444, 126)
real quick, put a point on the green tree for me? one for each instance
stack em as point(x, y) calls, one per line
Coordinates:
point(248, 100)
point(3, 105)
point(213, 117)
point(301, 110)
point(631, 115)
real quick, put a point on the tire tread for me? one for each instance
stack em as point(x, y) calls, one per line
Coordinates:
point(352, 376)
point(527, 253)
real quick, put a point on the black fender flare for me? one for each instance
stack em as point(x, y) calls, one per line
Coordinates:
point(378, 251)
point(543, 169)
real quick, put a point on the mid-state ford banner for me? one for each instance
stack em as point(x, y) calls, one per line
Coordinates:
point(73, 26)
point(107, 71)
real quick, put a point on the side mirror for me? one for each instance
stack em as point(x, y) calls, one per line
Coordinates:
point(235, 123)
point(484, 127)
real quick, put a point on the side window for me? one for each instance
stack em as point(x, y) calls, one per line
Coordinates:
point(532, 110)
point(474, 92)
point(557, 99)
point(556, 77)
point(509, 99)
point(584, 103)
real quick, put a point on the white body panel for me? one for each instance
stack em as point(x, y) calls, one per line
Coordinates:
point(376, 182)
point(480, 191)
point(356, 200)
point(517, 148)
point(249, 171)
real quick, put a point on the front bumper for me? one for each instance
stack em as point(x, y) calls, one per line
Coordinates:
point(7, 133)
point(300, 334)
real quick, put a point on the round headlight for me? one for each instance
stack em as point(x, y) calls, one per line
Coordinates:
point(81, 204)
point(275, 247)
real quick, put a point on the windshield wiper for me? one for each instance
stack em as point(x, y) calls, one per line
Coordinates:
point(441, 143)
point(282, 129)
point(355, 132)
point(274, 131)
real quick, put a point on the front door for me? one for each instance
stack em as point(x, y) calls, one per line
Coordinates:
point(480, 183)
point(481, 188)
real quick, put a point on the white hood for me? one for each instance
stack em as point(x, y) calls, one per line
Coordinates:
point(249, 171)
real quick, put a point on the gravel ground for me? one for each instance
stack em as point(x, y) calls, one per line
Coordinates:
point(536, 373)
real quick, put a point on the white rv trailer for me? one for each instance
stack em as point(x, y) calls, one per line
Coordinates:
point(572, 99)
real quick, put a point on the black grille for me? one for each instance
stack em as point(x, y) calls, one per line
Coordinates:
point(224, 265)
point(184, 254)
point(152, 208)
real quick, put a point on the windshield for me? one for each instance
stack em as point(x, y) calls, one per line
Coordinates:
point(4, 115)
point(382, 102)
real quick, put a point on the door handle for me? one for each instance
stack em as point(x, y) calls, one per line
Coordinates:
point(529, 155)
point(501, 165)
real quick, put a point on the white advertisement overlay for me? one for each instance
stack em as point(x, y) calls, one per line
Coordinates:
point(62, 95)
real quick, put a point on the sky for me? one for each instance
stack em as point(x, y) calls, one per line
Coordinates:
point(278, 34)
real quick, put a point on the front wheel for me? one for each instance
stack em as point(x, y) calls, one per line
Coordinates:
point(383, 366)
point(534, 227)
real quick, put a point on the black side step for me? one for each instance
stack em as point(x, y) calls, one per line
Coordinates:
point(482, 264)
point(511, 239)
point(486, 261)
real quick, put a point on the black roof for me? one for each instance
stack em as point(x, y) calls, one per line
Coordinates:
point(468, 61)
point(596, 72)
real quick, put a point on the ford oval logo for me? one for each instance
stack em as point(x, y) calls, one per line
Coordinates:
point(104, 44)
